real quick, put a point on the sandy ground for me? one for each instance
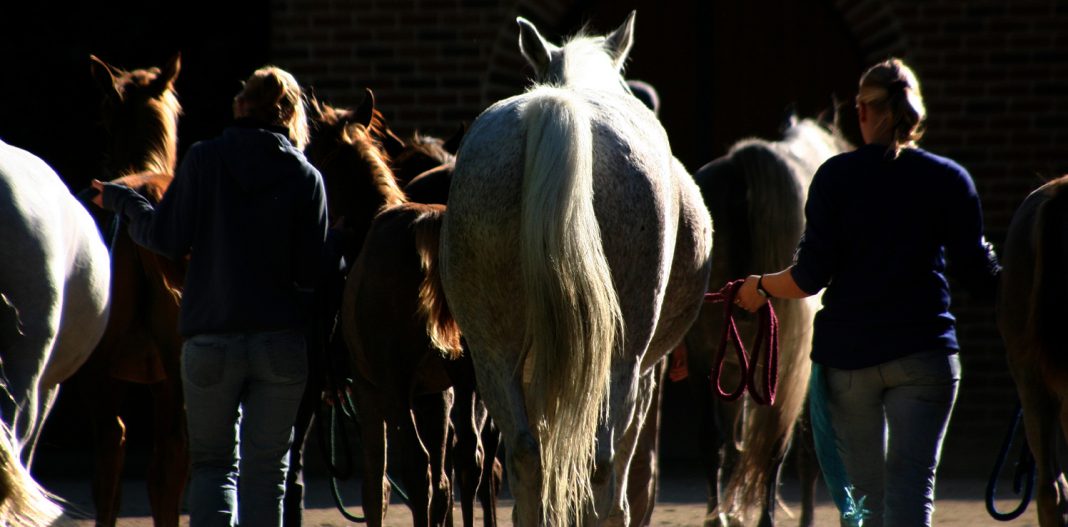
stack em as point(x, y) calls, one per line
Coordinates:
point(681, 503)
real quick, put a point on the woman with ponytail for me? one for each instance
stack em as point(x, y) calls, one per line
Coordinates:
point(882, 221)
point(250, 212)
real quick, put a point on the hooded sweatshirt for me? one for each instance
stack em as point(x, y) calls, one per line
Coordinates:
point(251, 212)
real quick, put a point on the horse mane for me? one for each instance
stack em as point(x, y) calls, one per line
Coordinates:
point(427, 146)
point(149, 184)
point(586, 62)
point(370, 149)
point(811, 142)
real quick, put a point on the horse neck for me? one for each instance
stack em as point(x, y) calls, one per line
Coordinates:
point(380, 175)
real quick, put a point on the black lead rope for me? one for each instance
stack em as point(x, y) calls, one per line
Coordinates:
point(1023, 482)
point(328, 446)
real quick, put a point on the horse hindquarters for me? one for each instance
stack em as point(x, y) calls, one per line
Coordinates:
point(1030, 312)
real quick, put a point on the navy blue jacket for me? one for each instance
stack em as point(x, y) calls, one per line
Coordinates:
point(251, 211)
point(878, 235)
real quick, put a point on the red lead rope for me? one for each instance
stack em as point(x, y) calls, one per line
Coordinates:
point(767, 331)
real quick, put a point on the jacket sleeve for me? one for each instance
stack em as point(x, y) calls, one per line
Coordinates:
point(311, 238)
point(166, 228)
point(814, 261)
point(972, 260)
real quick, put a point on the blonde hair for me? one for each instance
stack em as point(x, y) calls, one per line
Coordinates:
point(891, 86)
point(273, 96)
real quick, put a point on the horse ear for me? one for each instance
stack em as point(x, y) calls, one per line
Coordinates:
point(620, 40)
point(105, 79)
point(536, 49)
point(452, 145)
point(168, 73)
point(365, 112)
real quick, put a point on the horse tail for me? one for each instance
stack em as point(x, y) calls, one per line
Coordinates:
point(776, 221)
point(441, 327)
point(23, 503)
point(1047, 311)
point(768, 430)
point(573, 316)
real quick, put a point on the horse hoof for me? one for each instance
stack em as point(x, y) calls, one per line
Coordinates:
point(722, 520)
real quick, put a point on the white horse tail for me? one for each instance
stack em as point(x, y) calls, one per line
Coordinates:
point(776, 221)
point(23, 503)
point(573, 317)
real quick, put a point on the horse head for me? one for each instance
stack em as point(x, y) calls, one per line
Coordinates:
point(140, 111)
point(347, 148)
point(595, 61)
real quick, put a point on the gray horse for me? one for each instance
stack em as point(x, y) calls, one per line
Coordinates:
point(574, 253)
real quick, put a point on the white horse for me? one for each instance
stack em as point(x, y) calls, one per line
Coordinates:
point(756, 194)
point(574, 254)
point(55, 274)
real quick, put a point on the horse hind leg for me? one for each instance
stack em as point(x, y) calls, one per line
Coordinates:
point(373, 440)
point(643, 474)
point(808, 468)
point(293, 502)
point(492, 472)
point(771, 493)
point(168, 469)
point(467, 451)
point(432, 431)
point(1039, 424)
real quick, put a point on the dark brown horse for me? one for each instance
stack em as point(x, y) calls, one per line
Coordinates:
point(1031, 316)
point(349, 149)
point(357, 189)
point(419, 154)
point(141, 344)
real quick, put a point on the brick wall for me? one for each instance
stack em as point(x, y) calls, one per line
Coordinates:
point(994, 74)
point(431, 63)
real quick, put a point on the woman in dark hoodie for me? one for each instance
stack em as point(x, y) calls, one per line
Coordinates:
point(251, 211)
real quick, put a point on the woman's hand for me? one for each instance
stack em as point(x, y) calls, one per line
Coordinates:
point(748, 297)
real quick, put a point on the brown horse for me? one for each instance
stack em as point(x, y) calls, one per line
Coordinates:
point(1030, 316)
point(141, 344)
point(348, 147)
point(355, 192)
point(419, 154)
point(402, 386)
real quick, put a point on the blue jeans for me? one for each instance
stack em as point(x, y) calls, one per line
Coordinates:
point(890, 421)
point(242, 391)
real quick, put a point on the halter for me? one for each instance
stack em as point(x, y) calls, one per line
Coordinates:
point(767, 331)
